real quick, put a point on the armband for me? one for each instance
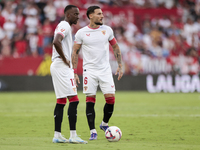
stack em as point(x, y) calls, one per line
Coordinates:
point(75, 70)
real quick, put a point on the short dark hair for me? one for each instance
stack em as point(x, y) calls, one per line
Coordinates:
point(91, 9)
point(68, 7)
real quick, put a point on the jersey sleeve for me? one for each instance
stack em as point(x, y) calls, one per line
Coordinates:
point(111, 36)
point(78, 37)
point(62, 29)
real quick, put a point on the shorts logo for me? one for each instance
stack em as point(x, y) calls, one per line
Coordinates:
point(74, 89)
point(104, 32)
point(112, 86)
point(85, 88)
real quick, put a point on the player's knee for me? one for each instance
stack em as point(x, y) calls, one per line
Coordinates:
point(110, 100)
point(74, 99)
point(90, 99)
point(62, 101)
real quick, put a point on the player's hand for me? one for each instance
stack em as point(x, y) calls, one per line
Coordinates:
point(76, 79)
point(119, 72)
point(67, 63)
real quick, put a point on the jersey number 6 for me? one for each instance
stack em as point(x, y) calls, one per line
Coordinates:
point(85, 80)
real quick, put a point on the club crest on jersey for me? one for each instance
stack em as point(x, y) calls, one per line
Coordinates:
point(85, 88)
point(74, 89)
point(104, 32)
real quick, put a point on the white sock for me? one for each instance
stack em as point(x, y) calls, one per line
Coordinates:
point(57, 134)
point(93, 131)
point(73, 133)
point(104, 124)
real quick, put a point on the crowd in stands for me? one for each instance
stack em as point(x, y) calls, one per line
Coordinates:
point(27, 27)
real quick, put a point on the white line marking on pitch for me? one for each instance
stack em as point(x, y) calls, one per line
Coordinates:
point(157, 115)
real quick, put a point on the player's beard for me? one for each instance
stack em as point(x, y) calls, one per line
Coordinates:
point(98, 23)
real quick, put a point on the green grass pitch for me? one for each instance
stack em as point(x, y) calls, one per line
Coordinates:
point(148, 122)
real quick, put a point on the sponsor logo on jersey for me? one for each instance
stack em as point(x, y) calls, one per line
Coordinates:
point(88, 34)
point(85, 88)
point(74, 89)
point(104, 32)
point(62, 30)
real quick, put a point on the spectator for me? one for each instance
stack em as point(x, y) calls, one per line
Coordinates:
point(92, 2)
point(164, 22)
point(197, 9)
point(131, 29)
point(154, 21)
point(2, 34)
point(178, 23)
point(60, 4)
point(193, 64)
point(138, 3)
point(167, 4)
point(146, 26)
point(47, 32)
point(20, 19)
point(180, 46)
point(31, 10)
point(9, 27)
point(147, 39)
point(50, 11)
point(2, 20)
point(8, 11)
point(48, 49)
point(193, 40)
point(168, 43)
point(6, 47)
point(197, 25)
point(189, 28)
point(123, 45)
point(190, 31)
point(32, 42)
point(40, 47)
point(31, 22)
point(20, 46)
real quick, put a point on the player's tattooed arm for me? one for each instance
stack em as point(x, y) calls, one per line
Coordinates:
point(118, 57)
point(117, 54)
point(76, 49)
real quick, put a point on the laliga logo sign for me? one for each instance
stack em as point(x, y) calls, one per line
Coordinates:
point(184, 83)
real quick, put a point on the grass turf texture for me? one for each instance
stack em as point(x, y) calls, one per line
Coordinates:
point(148, 122)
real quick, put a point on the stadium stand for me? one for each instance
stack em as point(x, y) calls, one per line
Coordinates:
point(155, 36)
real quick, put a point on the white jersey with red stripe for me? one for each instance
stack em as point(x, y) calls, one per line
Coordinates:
point(64, 29)
point(95, 47)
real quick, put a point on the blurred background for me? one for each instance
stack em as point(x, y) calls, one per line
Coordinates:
point(159, 41)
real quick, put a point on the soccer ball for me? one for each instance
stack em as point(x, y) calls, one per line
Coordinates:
point(113, 134)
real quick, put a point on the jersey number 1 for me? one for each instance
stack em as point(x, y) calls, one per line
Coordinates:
point(72, 81)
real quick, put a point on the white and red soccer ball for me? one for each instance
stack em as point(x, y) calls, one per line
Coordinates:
point(113, 134)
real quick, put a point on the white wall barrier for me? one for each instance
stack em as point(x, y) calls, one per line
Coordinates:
point(150, 83)
point(173, 84)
